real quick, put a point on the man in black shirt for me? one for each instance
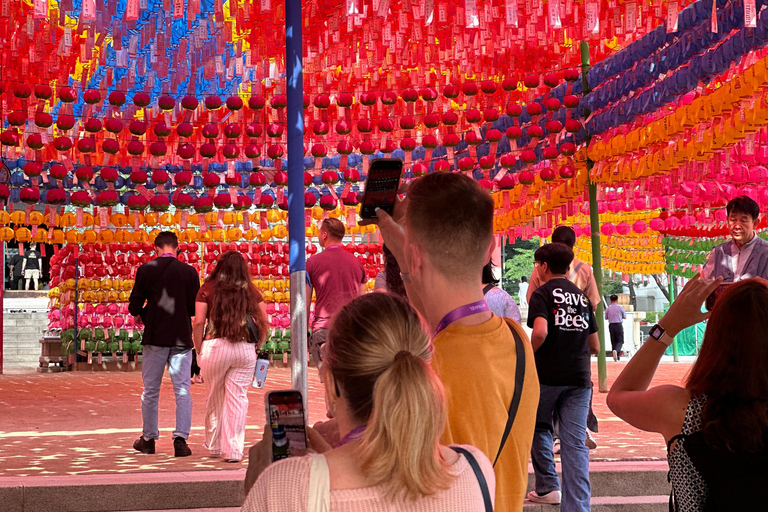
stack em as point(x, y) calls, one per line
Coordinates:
point(32, 265)
point(164, 297)
point(564, 335)
point(15, 264)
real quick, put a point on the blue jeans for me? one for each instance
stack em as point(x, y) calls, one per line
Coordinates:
point(571, 403)
point(153, 363)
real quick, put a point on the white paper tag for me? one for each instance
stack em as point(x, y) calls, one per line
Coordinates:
point(630, 17)
point(750, 14)
point(593, 18)
point(672, 11)
point(510, 12)
point(553, 7)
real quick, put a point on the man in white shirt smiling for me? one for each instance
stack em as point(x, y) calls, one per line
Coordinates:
point(746, 254)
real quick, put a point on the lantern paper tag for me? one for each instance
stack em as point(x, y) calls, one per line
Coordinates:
point(141, 189)
point(184, 219)
point(246, 221)
point(713, 24)
point(593, 18)
point(125, 357)
point(630, 17)
point(750, 18)
point(220, 219)
point(672, 11)
point(233, 195)
point(554, 14)
point(202, 223)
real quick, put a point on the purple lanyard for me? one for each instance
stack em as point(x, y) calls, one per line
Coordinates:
point(353, 435)
point(333, 247)
point(167, 255)
point(460, 312)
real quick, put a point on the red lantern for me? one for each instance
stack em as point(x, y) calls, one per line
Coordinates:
point(137, 127)
point(256, 102)
point(116, 99)
point(166, 102)
point(252, 151)
point(442, 166)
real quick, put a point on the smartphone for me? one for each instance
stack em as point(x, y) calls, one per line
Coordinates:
point(381, 186)
point(712, 299)
point(285, 415)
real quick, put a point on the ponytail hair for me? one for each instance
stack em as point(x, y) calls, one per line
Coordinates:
point(379, 355)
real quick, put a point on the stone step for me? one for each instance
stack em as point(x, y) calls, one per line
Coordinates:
point(612, 504)
point(616, 487)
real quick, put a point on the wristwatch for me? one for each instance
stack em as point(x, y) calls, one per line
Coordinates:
point(656, 332)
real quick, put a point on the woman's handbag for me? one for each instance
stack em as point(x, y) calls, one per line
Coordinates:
point(253, 330)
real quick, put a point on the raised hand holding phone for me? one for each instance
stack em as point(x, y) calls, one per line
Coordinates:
point(381, 187)
point(685, 310)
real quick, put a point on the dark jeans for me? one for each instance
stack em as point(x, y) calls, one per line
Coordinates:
point(617, 337)
point(591, 420)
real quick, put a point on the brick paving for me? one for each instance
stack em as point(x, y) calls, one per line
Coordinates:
point(85, 423)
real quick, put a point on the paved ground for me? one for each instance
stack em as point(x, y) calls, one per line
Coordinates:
point(81, 423)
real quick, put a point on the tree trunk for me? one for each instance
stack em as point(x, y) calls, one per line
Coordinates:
point(664, 289)
point(632, 294)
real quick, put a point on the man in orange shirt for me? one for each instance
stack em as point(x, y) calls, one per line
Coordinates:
point(442, 244)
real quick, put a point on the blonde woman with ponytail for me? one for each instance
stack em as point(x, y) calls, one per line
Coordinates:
point(390, 410)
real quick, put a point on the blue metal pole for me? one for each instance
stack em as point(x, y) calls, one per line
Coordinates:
point(296, 226)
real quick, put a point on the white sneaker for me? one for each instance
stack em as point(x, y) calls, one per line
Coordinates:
point(556, 447)
point(590, 442)
point(551, 498)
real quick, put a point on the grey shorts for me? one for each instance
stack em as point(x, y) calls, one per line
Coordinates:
point(315, 342)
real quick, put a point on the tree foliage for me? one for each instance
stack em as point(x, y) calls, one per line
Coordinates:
point(518, 262)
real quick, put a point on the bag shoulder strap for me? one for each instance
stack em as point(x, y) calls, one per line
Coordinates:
point(575, 271)
point(487, 288)
point(518, 393)
point(319, 496)
point(478, 474)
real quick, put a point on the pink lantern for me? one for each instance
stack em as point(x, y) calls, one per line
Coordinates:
point(657, 224)
point(608, 229)
point(672, 222)
point(623, 228)
point(639, 227)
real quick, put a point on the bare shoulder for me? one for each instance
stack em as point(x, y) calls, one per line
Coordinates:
point(659, 409)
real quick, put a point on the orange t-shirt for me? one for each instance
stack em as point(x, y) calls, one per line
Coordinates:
point(477, 366)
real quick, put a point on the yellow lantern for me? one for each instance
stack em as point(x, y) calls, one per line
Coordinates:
point(89, 296)
point(249, 234)
point(273, 216)
point(317, 213)
point(70, 284)
point(132, 218)
point(105, 284)
point(267, 295)
point(229, 218)
point(127, 285)
point(87, 219)
point(123, 296)
point(6, 234)
point(118, 220)
point(89, 236)
point(122, 236)
point(67, 220)
point(150, 219)
point(334, 214)
point(218, 235)
point(107, 236)
point(153, 234)
point(168, 219)
point(73, 237)
point(211, 218)
point(112, 296)
point(23, 235)
point(188, 235)
point(83, 285)
point(35, 218)
point(265, 235)
point(139, 236)
point(279, 231)
point(311, 231)
point(18, 217)
point(354, 230)
point(5, 217)
point(204, 236)
point(101, 296)
point(280, 285)
point(234, 234)
point(41, 236)
point(58, 237)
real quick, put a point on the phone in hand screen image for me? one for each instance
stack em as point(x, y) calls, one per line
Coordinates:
point(381, 186)
point(285, 414)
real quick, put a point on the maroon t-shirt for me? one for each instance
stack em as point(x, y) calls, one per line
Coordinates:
point(336, 276)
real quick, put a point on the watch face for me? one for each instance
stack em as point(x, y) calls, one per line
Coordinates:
point(656, 332)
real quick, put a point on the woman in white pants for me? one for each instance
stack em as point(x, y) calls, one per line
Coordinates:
point(226, 359)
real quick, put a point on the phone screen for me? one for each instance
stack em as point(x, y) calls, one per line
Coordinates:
point(285, 414)
point(381, 186)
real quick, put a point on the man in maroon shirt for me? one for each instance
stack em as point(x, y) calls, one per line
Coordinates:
point(336, 276)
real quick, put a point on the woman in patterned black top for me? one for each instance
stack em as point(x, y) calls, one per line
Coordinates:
point(716, 427)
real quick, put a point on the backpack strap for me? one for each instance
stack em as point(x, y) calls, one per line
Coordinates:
point(487, 288)
point(575, 271)
point(479, 475)
point(519, 381)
